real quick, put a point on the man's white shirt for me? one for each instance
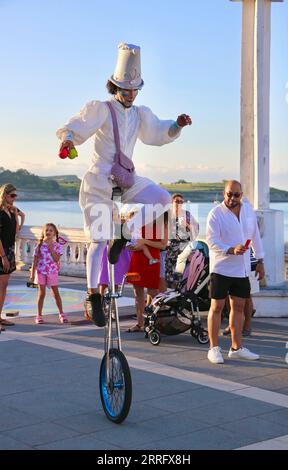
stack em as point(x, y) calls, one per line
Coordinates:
point(225, 230)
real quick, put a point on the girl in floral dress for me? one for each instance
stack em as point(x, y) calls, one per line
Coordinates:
point(45, 269)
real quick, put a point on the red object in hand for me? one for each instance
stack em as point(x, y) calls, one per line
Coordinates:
point(247, 244)
point(64, 153)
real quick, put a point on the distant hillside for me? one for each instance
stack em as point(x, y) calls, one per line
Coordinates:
point(69, 185)
point(209, 192)
point(63, 178)
point(33, 187)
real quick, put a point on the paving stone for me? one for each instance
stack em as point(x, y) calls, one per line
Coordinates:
point(275, 381)
point(11, 418)
point(271, 444)
point(8, 443)
point(173, 425)
point(193, 399)
point(232, 410)
point(211, 438)
point(41, 433)
point(86, 423)
point(278, 416)
point(257, 428)
point(87, 442)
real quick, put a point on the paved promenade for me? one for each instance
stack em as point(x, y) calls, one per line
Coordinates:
point(50, 397)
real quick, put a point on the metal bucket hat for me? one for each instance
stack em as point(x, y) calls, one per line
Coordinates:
point(127, 74)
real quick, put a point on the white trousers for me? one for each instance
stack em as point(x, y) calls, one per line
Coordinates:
point(152, 194)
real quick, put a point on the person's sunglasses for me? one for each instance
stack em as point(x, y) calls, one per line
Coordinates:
point(179, 201)
point(12, 195)
point(125, 93)
point(230, 194)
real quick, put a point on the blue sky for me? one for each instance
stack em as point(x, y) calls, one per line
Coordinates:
point(57, 55)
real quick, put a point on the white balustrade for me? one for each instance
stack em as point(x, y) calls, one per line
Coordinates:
point(73, 261)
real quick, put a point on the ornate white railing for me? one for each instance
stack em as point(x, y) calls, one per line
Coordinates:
point(73, 261)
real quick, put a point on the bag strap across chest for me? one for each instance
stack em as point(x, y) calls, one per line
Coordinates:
point(115, 126)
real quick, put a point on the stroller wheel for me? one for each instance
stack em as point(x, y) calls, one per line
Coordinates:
point(203, 337)
point(154, 337)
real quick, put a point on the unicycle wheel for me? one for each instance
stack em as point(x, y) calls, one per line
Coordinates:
point(117, 394)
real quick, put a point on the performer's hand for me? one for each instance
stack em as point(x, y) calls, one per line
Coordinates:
point(68, 144)
point(184, 120)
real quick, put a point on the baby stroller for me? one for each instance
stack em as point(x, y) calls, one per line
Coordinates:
point(177, 310)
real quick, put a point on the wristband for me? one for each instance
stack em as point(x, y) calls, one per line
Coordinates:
point(176, 125)
point(69, 136)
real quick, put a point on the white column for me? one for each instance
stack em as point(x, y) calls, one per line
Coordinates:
point(247, 170)
point(255, 99)
point(262, 103)
point(255, 116)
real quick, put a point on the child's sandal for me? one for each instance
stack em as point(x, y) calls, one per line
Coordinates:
point(63, 318)
point(39, 320)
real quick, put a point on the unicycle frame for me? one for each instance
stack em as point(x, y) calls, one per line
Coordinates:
point(110, 339)
point(115, 378)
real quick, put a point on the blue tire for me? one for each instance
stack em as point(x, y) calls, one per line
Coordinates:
point(116, 395)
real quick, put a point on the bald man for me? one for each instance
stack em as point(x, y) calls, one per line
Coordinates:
point(229, 226)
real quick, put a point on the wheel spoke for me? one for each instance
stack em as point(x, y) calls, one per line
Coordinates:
point(116, 396)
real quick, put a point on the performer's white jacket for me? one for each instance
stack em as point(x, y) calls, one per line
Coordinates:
point(95, 119)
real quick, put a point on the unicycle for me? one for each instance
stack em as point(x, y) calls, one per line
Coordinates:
point(115, 379)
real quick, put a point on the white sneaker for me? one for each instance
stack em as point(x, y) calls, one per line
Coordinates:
point(215, 356)
point(243, 353)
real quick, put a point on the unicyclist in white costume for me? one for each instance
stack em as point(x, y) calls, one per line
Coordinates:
point(134, 122)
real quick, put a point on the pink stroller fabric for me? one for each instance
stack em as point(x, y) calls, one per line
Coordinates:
point(194, 269)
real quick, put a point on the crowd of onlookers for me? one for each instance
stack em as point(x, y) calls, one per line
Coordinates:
point(154, 258)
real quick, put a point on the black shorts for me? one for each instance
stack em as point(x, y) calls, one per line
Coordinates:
point(221, 286)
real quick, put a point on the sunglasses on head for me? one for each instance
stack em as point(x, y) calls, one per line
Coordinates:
point(230, 194)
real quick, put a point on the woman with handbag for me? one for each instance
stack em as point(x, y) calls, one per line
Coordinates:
point(116, 125)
